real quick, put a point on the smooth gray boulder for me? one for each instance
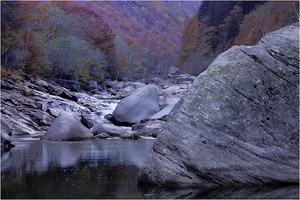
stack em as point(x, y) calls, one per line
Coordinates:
point(239, 124)
point(67, 127)
point(170, 103)
point(141, 104)
point(111, 130)
point(152, 128)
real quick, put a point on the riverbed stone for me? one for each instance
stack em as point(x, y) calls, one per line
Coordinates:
point(67, 127)
point(91, 86)
point(130, 135)
point(110, 129)
point(173, 71)
point(239, 123)
point(73, 85)
point(141, 104)
point(102, 136)
point(7, 142)
point(169, 105)
point(152, 128)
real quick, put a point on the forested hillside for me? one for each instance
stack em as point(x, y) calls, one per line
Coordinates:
point(155, 25)
point(218, 25)
point(93, 40)
point(52, 39)
point(147, 33)
point(135, 40)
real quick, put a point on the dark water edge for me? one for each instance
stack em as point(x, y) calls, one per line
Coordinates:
point(249, 192)
point(100, 169)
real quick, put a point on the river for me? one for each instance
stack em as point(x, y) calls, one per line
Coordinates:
point(100, 169)
point(86, 169)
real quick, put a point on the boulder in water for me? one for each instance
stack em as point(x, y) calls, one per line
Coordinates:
point(141, 104)
point(67, 127)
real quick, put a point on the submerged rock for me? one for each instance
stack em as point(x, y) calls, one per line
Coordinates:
point(239, 124)
point(141, 104)
point(67, 127)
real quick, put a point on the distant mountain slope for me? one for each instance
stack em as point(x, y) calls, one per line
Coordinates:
point(219, 25)
point(156, 26)
point(135, 40)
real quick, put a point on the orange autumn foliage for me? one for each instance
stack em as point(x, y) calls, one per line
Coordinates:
point(266, 18)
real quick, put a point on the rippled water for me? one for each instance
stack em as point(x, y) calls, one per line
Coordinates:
point(101, 169)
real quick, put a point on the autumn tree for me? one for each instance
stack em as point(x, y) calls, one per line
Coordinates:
point(129, 55)
point(51, 39)
point(212, 31)
point(148, 66)
point(230, 27)
point(163, 66)
point(265, 18)
point(11, 25)
point(98, 33)
point(31, 58)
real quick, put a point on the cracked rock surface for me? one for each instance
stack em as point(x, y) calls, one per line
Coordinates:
point(239, 124)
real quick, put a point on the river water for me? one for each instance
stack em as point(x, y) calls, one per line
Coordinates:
point(88, 169)
point(100, 169)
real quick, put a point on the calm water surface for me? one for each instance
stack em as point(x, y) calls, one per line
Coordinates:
point(89, 169)
point(100, 169)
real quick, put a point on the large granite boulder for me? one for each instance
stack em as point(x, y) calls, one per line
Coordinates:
point(239, 124)
point(67, 127)
point(141, 104)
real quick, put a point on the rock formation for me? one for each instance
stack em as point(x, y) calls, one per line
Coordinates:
point(141, 104)
point(67, 127)
point(239, 124)
point(31, 105)
point(7, 142)
point(112, 130)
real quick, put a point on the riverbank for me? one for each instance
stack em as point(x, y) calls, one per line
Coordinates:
point(29, 107)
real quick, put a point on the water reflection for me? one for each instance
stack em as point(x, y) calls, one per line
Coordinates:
point(89, 169)
point(101, 169)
